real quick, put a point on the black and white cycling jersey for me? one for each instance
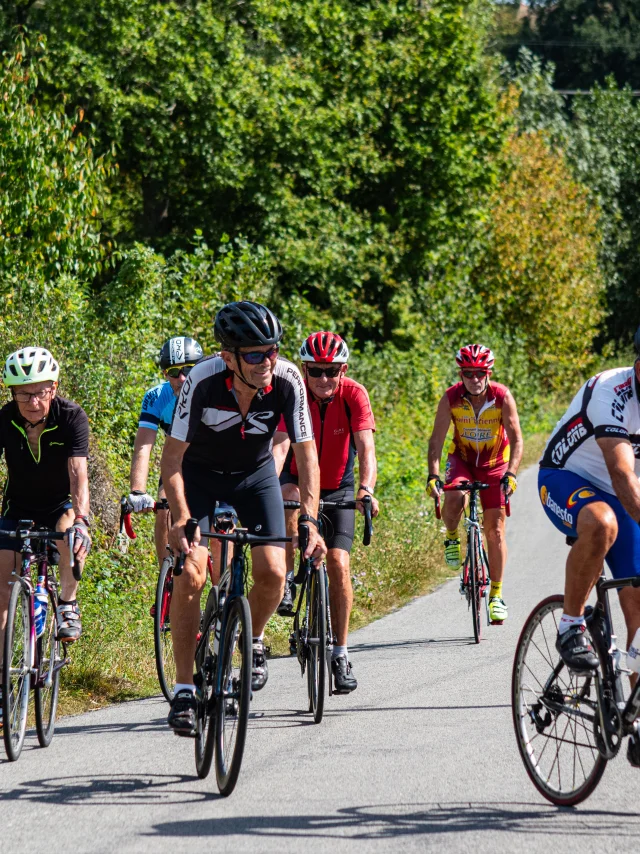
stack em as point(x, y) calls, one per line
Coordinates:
point(607, 405)
point(208, 417)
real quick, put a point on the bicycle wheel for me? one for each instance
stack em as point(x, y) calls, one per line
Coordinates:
point(554, 713)
point(232, 706)
point(205, 674)
point(316, 672)
point(16, 675)
point(165, 662)
point(475, 570)
point(48, 678)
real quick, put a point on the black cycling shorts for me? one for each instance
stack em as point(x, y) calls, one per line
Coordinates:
point(338, 526)
point(256, 497)
point(47, 520)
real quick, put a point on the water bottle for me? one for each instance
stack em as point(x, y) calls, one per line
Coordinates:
point(633, 654)
point(41, 604)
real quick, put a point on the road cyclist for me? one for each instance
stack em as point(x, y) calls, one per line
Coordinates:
point(178, 356)
point(487, 446)
point(45, 441)
point(589, 488)
point(219, 448)
point(343, 425)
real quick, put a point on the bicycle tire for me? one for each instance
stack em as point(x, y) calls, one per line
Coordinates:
point(205, 723)
point(163, 642)
point(317, 644)
point(49, 663)
point(235, 654)
point(16, 673)
point(531, 712)
point(474, 581)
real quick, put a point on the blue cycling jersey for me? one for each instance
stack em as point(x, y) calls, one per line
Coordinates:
point(158, 406)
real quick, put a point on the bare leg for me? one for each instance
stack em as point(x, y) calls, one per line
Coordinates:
point(340, 593)
point(185, 612)
point(597, 531)
point(269, 569)
point(452, 509)
point(496, 543)
point(68, 584)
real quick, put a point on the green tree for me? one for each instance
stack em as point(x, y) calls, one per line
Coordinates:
point(587, 40)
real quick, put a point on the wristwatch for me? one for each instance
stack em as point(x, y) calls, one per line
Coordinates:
point(305, 517)
point(366, 488)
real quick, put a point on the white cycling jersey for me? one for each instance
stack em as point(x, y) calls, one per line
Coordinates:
point(607, 405)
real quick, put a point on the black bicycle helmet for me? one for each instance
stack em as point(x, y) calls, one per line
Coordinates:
point(246, 324)
point(180, 351)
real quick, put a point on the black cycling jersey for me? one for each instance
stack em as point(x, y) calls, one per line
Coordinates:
point(208, 417)
point(41, 484)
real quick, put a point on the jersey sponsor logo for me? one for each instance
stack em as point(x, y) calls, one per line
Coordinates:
point(301, 415)
point(561, 512)
point(475, 434)
point(576, 431)
point(581, 493)
point(150, 397)
point(223, 419)
point(616, 431)
point(183, 409)
point(338, 431)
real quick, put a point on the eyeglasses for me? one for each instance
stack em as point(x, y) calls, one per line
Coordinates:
point(316, 373)
point(470, 375)
point(25, 396)
point(258, 357)
point(174, 373)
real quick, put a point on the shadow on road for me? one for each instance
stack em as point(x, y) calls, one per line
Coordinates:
point(407, 644)
point(155, 725)
point(110, 789)
point(397, 820)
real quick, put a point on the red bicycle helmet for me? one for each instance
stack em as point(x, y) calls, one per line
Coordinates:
point(325, 347)
point(475, 356)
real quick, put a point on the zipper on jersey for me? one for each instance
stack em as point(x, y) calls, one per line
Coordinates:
point(322, 408)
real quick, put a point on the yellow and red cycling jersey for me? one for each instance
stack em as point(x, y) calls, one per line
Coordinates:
point(479, 440)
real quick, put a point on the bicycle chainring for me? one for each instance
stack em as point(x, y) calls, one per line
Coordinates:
point(609, 741)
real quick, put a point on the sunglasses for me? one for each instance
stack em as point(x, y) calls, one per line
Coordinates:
point(258, 357)
point(316, 373)
point(470, 375)
point(174, 373)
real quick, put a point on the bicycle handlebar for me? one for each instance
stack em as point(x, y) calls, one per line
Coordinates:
point(26, 533)
point(468, 486)
point(344, 505)
point(126, 509)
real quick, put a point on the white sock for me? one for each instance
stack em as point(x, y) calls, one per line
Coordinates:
point(339, 650)
point(567, 622)
point(259, 639)
point(184, 686)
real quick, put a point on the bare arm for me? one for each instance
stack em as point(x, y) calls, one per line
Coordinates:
point(309, 485)
point(281, 445)
point(439, 434)
point(514, 433)
point(367, 464)
point(79, 478)
point(173, 482)
point(620, 460)
point(143, 445)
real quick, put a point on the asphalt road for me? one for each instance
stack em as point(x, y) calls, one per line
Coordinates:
point(421, 757)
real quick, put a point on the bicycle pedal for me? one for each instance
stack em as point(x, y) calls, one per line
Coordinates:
point(185, 734)
point(496, 622)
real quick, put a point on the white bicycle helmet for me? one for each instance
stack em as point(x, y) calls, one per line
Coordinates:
point(30, 365)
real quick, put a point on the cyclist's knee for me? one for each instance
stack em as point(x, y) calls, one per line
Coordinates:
point(338, 562)
point(194, 572)
point(290, 492)
point(597, 523)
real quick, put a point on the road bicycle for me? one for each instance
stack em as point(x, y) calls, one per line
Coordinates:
point(224, 654)
point(32, 661)
point(160, 610)
point(475, 579)
point(569, 725)
point(312, 636)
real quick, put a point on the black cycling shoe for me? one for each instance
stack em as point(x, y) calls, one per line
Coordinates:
point(182, 715)
point(344, 680)
point(576, 651)
point(293, 644)
point(285, 608)
point(633, 749)
point(259, 671)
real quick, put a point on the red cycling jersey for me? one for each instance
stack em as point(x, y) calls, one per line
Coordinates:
point(334, 424)
point(481, 439)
